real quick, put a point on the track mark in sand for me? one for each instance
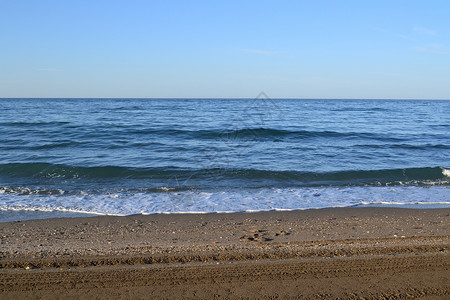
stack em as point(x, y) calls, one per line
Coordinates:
point(377, 267)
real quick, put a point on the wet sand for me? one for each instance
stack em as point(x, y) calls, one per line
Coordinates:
point(328, 253)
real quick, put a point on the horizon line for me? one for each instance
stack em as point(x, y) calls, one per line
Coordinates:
point(229, 98)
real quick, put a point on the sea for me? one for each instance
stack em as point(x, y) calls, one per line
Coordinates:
point(83, 157)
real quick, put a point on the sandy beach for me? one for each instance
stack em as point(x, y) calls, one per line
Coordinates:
point(345, 253)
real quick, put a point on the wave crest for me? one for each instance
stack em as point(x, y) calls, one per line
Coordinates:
point(424, 176)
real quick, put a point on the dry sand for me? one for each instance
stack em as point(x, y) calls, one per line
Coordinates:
point(345, 253)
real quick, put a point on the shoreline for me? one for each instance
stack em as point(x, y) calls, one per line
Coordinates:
point(20, 215)
point(339, 252)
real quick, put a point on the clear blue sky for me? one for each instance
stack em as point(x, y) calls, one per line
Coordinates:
point(288, 49)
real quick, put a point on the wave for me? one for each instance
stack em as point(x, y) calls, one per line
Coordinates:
point(362, 109)
point(405, 146)
point(33, 124)
point(225, 133)
point(38, 191)
point(31, 191)
point(425, 176)
point(262, 133)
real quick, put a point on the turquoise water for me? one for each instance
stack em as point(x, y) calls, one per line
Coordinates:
point(127, 156)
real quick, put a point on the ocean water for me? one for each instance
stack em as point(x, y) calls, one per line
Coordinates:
point(64, 157)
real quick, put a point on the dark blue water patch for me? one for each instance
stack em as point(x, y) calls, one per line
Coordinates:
point(424, 147)
point(33, 124)
point(68, 144)
point(103, 132)
point(439, 126)
point(277, 134)
point(362, 109)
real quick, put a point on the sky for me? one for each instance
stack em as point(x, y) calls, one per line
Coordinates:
point(393, 49)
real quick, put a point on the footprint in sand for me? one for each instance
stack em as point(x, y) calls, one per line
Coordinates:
point(261, 235)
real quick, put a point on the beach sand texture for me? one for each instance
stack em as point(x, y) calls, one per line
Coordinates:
point(345, 253)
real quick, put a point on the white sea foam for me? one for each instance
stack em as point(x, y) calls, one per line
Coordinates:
point(165, 189)
point(18, 208)
point(446, 172)
point(264, 199)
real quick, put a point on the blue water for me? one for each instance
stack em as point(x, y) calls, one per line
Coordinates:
point(128, 156)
